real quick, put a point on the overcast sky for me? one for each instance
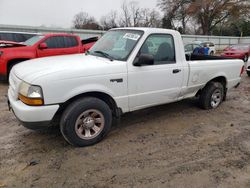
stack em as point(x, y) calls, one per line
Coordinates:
point(57, 13)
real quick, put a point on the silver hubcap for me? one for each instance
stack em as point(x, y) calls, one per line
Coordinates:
point(216, 98)
point(89, 124)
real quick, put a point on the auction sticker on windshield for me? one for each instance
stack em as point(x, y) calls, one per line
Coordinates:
point(131, 36)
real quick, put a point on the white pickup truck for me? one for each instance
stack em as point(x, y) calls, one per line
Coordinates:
point(126, 70)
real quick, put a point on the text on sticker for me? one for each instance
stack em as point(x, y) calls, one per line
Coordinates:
point(131, 36)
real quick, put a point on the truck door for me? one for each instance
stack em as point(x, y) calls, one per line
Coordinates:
point(59, 45)
point(160, 82)
point(72, 45)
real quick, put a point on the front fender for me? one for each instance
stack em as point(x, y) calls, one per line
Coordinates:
point(86, 89)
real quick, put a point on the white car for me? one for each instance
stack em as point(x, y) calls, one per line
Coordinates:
point(209, 44)
point(85, 93)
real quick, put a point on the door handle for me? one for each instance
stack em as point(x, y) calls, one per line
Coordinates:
point(175, 71)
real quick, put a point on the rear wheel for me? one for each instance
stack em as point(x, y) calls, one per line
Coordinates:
point(86, 121)
point(212, 95)
point(248, 73)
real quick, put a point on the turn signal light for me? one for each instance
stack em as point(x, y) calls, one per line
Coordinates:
point(31, 101)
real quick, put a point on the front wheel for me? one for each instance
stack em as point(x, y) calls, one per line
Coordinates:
point(86, 121)
point(212, 95)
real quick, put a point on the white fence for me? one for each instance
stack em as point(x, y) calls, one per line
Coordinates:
point(220, 41)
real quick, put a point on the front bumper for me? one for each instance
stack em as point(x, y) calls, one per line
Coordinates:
point(32, 117)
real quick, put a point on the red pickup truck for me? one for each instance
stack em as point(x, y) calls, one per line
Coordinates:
point(38, 46)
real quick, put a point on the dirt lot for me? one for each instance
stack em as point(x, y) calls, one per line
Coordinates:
point(175, 145)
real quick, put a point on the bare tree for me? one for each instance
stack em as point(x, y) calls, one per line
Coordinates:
point(135, 16)
point(109, 21)
point(83, 20)
point(150, 18)
point(132, 15)
point(174, 11)
point(125, 19)
point(135, 12)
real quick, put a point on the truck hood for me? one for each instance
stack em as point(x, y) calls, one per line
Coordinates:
point(65, 67)
point(10, 43)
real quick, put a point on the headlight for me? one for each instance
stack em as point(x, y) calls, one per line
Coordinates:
point(30, 94)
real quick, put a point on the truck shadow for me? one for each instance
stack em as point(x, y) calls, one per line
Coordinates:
point(3, 83)
point(177, 109)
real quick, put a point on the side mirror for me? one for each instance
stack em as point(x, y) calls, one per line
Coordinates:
point(43, 46)
point(144, 59)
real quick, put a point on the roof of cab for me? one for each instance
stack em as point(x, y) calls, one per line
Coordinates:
point(148, 30)
point(57, 34)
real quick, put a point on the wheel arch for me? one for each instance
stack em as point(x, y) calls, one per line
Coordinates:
point(220, 79)
point(116, 112)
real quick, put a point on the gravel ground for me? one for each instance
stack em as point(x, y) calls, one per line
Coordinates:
point(174, 145)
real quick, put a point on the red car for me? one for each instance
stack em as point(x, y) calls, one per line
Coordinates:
point(238, 51)
point(38, 46)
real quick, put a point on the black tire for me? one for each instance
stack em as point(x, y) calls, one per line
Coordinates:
point(245, 59)
point(248, 73)
point(206, 97)
point(74, 111)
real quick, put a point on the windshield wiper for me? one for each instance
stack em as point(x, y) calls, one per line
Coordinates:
point(104, 54)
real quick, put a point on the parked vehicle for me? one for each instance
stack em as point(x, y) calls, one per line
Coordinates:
point(238, 51)
point(15, 36)
point(119, 74)
point(39, 46)
point(208, 44)
point(190, 47)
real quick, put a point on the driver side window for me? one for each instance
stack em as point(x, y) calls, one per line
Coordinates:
point(161, 47)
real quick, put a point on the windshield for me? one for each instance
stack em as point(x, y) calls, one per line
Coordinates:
point(117, 44)
point(239, 47)
point(33, 40)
